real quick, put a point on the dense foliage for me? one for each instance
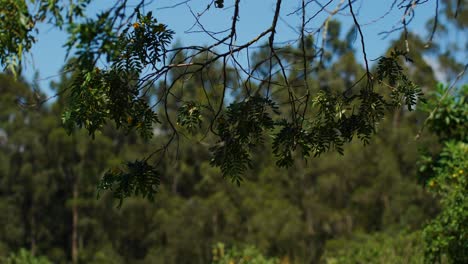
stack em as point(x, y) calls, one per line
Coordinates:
point(446, 176)
point(312, 211)
point(124, 52)
point(391, 247)
point(173, 134)
point(247, 255)
point(25, 257)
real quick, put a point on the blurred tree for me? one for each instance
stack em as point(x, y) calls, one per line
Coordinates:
point(233, 256)
point(25, 257)
point(301, 214)
point(376, 248)
point(132, 47)
point(445, 174)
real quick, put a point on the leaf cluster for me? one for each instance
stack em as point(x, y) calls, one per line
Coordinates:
point(98, 95)
point(446, 177)
point(447, 234)
point(240, 129)
point(189, 116)
point(138, 178)
point(25, 257)
point(249, 254)
point(147, 41)
point(21, 22)
point(389, 70)
point(115, 94)
point(448, 113)
point(334, 119)
point(15, 17)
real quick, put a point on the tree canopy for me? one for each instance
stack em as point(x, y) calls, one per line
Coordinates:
point(382, 202)
point(126, 72)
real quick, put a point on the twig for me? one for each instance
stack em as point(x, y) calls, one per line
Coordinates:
point(362, 39)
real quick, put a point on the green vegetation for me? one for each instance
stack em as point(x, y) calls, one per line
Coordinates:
point(127, 163)
point(134, 55)
point(388, 247)
point(25, 257)
point(249, 255)
point(447, 177)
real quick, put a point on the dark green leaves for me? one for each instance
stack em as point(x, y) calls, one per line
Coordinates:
point(402, 88)
point(445, 174)
point(18, 39)
point(447, 234)
point(21, 25)
point(389, 68)
point(334, 120)
point(286, 141)
point(116, 94)
point(240, 129)
point(190, 116)
point(89, 104)
point(448, 117)
point(98, 96)
point(148, 40)
point(138, 178)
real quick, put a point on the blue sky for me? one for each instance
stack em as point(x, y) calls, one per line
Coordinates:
point(48, 55)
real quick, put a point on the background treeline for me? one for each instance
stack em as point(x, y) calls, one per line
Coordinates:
point(368, 206)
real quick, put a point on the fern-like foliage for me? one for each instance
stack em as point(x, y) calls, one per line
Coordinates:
point(286, 141)
point(89, 104)
point(190, 116)
point(402, 88)
point(338, 118)
point(115, 94)
point(138, 178)
point(240, 129)
point(142, 43)
point(98, 95)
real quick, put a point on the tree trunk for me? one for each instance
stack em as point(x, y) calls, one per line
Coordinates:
point(74, 244)
point(33, 233)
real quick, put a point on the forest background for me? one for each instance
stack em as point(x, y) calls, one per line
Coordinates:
point(386, 201)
